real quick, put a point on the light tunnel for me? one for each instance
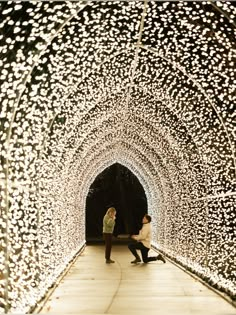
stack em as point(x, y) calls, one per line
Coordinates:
point(86, 84)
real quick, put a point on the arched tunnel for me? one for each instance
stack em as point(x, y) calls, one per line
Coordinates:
point(149, 85)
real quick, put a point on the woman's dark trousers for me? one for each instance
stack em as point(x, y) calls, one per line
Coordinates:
point(108, 244)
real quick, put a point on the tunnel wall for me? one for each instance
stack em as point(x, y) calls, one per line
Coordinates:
point(148, 84)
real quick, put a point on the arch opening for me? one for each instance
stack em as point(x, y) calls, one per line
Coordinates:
point(115, 186)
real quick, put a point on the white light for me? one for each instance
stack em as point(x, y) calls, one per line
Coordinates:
point(93, 97)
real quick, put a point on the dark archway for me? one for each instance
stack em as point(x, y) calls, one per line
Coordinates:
point(116, 186)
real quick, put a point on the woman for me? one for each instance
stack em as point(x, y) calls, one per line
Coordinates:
point(108, 228)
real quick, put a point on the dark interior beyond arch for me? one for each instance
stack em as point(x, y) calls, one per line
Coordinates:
point(116, 186)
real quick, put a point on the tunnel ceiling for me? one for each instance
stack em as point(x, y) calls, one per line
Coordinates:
point(81, 76)
point(85, 84)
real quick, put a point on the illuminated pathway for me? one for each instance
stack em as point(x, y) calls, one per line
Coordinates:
point(93, 287)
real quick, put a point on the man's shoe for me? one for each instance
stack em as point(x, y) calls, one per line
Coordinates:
point(109, 261)
point(137, 260)
point(160, 257)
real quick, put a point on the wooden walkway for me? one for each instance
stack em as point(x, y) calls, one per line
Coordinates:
point(93, 287)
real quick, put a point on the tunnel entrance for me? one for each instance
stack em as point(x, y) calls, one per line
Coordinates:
point(116, 186)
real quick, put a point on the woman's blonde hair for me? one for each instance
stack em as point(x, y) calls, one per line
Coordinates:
point(111, 210)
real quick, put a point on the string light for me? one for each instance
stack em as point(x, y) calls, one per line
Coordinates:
point(147, 84)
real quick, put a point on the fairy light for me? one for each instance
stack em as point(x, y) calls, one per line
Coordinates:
point(150, 85)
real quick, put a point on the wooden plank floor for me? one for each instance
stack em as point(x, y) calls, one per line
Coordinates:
point(93, 287)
